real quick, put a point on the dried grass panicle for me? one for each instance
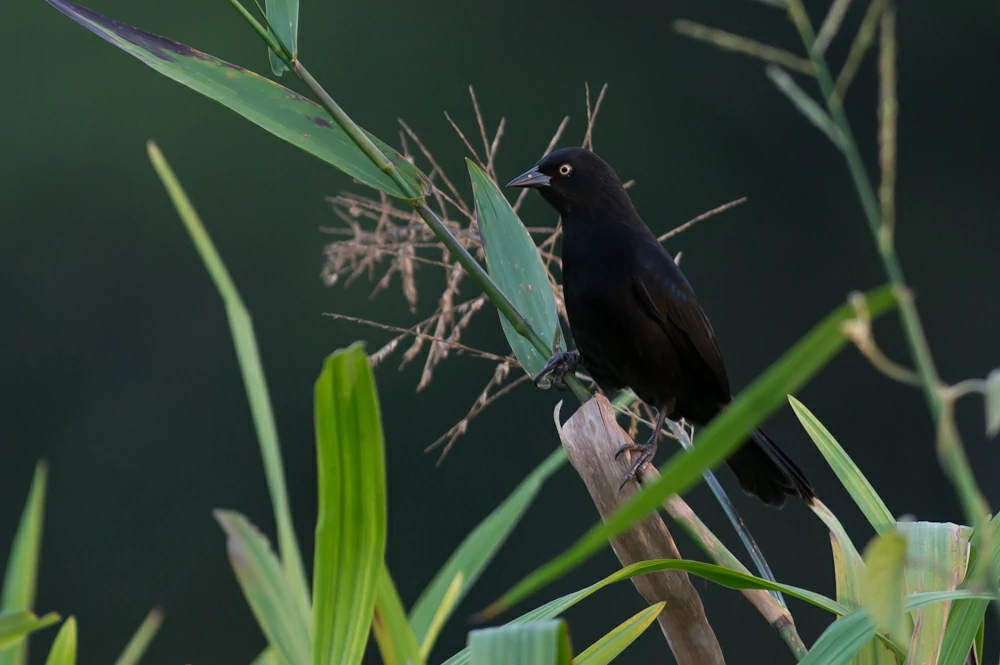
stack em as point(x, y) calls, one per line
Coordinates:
point(382, 239)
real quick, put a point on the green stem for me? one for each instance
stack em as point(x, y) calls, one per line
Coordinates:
point(950, 449)
point(264, 33)
point(351, 129)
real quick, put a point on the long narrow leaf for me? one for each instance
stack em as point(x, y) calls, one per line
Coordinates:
point(606, 649)
point(351, 527)
point(393, 634)
point(21, 579)
point(517, 268)
point(883, 586)
point(15, 626)
point(476, 552)
point(282, 112)
point(266, 588)
point(537, 643)
point(245, 342)
point(718, 440)
point(63, 651)
point(140, 641)
point(283, 15)
point(847, 471)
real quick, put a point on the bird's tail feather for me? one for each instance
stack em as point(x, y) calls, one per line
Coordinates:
point(768, 473)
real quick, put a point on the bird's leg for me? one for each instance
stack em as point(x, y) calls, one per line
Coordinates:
point(556, 368)
point(646, 450)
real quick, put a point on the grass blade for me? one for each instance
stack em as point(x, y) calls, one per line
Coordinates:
point(265, 587)
point(517, 268)
point(538, 643)
point(286, 114)
point(606, 649)
point(395, 639)
point(811, 109)
point(21, 578)
point(63, 651)
point(141, 639)
point(850, 475)
point(268, 656)
point(351, 527)
point(475, 553)
point(716, 442)
point(245, 342)
point(15, 626)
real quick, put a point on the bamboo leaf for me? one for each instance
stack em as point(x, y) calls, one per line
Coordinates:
point(21, 579)
point(475, 553)
point(864, 495)
point(516, 266)
point(537, 643)
point(883, 585)
point(938, 556)
point(286, 114)
point(245, 342)
point(265, 587)
point(395, 639)
point(608, 647)
point(16, 625)
point(63, 651)
point(351, 527)
point(715, 443)
point(137, 646)
point(283, 15)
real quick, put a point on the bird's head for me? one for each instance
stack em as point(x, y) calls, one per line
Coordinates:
point(572, 178)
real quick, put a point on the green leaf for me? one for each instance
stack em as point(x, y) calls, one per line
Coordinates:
point(63, 651)
point(537, 643)
point(351, 527)
point(14, 626)
point(850, 475)
point(21, 578)
point(723, 576)
point(268, 656)
point(883, 585)
point(283, 15)
point(395, 639)
point(284, 113)
point(141, 639)
point(845, 636)
point(715, 444)
point(475, 553)
point(992, 396)
point(248, 355)
point(265, 587)
point(606, 649)
point(516, 266)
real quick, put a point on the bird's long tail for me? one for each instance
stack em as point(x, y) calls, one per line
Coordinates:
point(768, 473)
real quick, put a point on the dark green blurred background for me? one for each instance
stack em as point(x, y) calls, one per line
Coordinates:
point(118, 368)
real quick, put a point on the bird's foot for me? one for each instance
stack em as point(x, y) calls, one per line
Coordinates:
point(555, 370)
point(646, 452)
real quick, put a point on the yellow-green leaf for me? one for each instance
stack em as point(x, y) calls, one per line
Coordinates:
point(606, 649)
point(395, 639)
point(883, 587)
point(137, 646)
point(63, 651)
point(536, 642)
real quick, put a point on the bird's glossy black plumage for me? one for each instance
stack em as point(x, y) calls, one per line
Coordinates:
point(636, 320)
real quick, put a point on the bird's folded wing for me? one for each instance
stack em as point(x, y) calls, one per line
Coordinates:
point(668, 298)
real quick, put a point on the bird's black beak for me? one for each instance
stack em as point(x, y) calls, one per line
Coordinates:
point(533, 179)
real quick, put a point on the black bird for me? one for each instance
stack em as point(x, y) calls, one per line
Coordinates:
point(636, 320)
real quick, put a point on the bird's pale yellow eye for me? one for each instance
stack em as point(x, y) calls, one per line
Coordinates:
point(565, 169)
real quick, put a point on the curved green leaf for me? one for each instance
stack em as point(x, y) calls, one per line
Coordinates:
point(475, 553)
point(516, 266)
point(245, 343)
point(715, 443)
point(606, 649)
point(351, 527)
point(286, 114)
point(395, 639)
point(265, 587)
point(21, 578)
point(63, 651)
point(15, 626)
point(847, 471)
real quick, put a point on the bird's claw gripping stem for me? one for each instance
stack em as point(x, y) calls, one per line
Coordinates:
point(555, 370)
point(646, 453)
